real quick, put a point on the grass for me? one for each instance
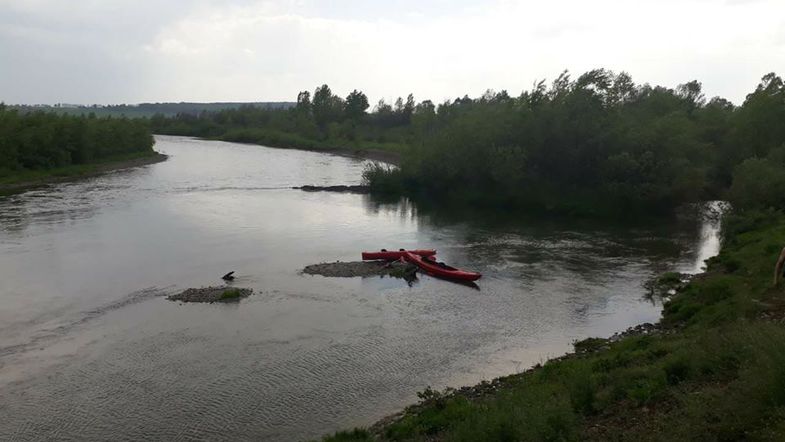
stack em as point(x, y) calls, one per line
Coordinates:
point(714, 372)
point(669, 278)
point(274, 138)
point(231, 294)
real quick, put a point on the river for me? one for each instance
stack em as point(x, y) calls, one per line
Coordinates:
point(90, 349)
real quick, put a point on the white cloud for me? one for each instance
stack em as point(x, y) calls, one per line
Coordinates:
point(251, 50)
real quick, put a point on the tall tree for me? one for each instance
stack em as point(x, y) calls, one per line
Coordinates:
point(324, 106)
point(408, 109)
point(356, 105)
point(304, 102)
point(692, 93)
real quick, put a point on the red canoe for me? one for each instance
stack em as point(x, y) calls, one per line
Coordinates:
point(440, 269)
point(392, 256)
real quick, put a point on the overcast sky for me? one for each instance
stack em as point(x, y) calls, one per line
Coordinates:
point(130, 51)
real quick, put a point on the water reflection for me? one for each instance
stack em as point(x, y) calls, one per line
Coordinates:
point(709, 238)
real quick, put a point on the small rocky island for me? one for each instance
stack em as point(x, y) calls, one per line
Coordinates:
point(351, 269)
point(211, 294)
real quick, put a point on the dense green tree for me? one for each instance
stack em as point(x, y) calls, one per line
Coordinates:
point(759, 121)
point(356, 105)
point(304, 101)
point(408, 109)
point(327, 108)
point(759, 182)
point(39, 140)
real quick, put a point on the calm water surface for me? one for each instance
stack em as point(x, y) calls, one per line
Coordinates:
point(90, 349)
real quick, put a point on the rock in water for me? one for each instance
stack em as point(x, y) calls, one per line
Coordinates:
point(211, 294)
point(362, 268)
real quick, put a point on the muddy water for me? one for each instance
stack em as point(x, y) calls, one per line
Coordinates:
point(90, 349)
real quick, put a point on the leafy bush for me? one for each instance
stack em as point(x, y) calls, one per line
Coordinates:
point(676, 371)
point(589, 345)
point(382, 179)
point(356, 435)
point(758, 183)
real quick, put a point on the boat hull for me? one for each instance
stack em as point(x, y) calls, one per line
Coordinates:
point(435, 269)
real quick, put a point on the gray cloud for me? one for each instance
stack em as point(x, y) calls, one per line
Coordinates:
point(110, 51)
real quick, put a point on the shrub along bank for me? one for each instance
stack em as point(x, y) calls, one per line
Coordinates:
point(39, 145)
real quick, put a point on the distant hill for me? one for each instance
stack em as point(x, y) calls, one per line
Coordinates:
point(146, 109)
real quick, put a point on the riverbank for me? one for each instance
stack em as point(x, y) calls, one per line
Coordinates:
point(390, 153)
point(711, 368)
point(16, 182)
point(385, 153)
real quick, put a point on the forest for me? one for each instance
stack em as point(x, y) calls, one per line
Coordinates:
point(595, 144)
point(142, 110)
point(40, 141)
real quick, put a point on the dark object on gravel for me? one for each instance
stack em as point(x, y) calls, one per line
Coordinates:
point(211, 294)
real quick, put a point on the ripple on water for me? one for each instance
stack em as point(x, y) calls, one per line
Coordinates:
point(222, 392)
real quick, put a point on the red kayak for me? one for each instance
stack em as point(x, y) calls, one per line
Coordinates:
point(392, 256)
point(440, 269)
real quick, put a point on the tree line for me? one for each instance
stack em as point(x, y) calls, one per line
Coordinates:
point(45, 140)
point(595, 143)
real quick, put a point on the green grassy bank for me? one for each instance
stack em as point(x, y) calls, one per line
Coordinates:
point(12, 181)
point(389, 152)
point(280, 139)
point(713, 369)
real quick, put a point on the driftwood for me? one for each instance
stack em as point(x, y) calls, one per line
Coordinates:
point(341, 188)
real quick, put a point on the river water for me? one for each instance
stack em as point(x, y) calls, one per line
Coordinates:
point(90, 349)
